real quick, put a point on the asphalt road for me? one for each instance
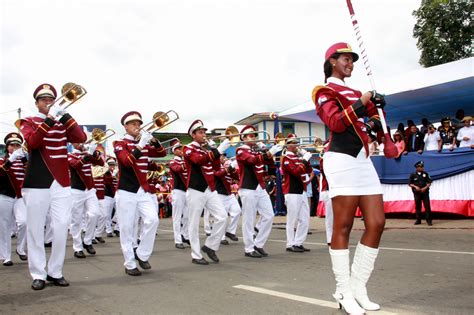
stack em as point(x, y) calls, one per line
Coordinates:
point(420, 270)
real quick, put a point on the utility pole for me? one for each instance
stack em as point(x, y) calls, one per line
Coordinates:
point(19, 117)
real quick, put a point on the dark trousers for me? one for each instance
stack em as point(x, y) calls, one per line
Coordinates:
point(425, 198)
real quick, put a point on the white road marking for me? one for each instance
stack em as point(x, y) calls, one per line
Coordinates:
point(383, 248)
point(394, 248)
point(297, 298)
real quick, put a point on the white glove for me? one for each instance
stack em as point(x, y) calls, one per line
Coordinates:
point(145, 138)
point(211, 144)
point(301, 152)
point(261, 145)
point(223, 146)
point(307, 156)
point(56, 111)
point(17, 154)
point(233, 164)
point(275, 149)
point(91, 148)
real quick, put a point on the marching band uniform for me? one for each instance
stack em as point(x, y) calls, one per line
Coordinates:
point(348, 169)
point(85, 204)
point(109, 194)
point(99, 185)
point(47, 185)
point(223, 176)
point(295, 171)
point(133, 193)
point(254, 196)
point(201, 193)
point(180, 209)
point(12, 173)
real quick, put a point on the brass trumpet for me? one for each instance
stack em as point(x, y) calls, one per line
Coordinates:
point(99, 136)
point(71, 93)
point(160, 120)
point(99, 171)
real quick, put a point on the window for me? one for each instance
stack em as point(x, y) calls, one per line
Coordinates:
point(287, 128)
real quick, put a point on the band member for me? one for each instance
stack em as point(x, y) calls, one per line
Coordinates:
point(295, 171)
point(201, 192)
point(47, 185)
point(12, 174)
point(252, 191)
point(180, 210)
point(98, 174)
point(353, 181)
point(224, 173)
point(109, 192)
point(85, 204)
point(133, 193)
point(420, 183)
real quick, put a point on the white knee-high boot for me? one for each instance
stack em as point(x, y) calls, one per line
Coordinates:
point(362, 267)
point(343, 295)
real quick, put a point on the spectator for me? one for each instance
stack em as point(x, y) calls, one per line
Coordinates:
point(457, 122)
point(270, 186)
point(466, 133)
point(373, 145)
point(315, 193)
point(399, 142)
point(420, 183)
point(401, 129)
point(408, 129)
point(432, 139)
point(424, 125)
point(446, 133)
point(415, 141)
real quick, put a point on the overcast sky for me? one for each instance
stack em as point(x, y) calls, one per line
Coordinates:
point(217, 60)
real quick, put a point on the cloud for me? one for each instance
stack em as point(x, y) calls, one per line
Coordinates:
point(215, 60)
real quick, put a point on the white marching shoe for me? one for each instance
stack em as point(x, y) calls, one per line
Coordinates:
point(343, 295)
point(362, 267)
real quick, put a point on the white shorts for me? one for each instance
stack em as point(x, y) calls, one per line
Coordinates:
point(351, 176)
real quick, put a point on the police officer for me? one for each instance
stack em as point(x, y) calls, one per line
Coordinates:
point(420, 183)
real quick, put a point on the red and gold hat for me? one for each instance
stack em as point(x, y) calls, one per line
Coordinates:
point(44, 90)
point(13, 138)
point(196, 125)
point(341, 48)
point(248, 129)
point(131, 116)
point(291, 138)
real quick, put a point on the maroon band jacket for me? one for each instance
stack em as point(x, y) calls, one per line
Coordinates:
point(199, 164)
point(47, 147)
point(179, 173)
point(12, 175)
point(133, 163)
point(294, 172)
point(252, 167)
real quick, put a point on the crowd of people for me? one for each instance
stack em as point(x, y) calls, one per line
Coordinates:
point(451, 134)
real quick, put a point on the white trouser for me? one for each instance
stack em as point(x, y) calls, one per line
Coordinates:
point(328, 220)
point(109, 203)
point(20, 216)
point(232, 207)
point(6, 218)
point(48, 229)
point(180, 216)
point(251, 201)
point(128, 205)
point(136, 230)
point(207, 221)
point(85, 205)
point(58, 201)
point(102, 218)
point(196, 202)
point(297, 214)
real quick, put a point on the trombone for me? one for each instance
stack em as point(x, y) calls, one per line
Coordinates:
point(99, 136)
point(71, 93)
point(168, 147)
point(233, 135)
point(160, 120)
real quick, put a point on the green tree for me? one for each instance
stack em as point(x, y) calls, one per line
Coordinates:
point(444, 30)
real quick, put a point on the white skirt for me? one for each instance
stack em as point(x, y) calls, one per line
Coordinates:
point(351, 176)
